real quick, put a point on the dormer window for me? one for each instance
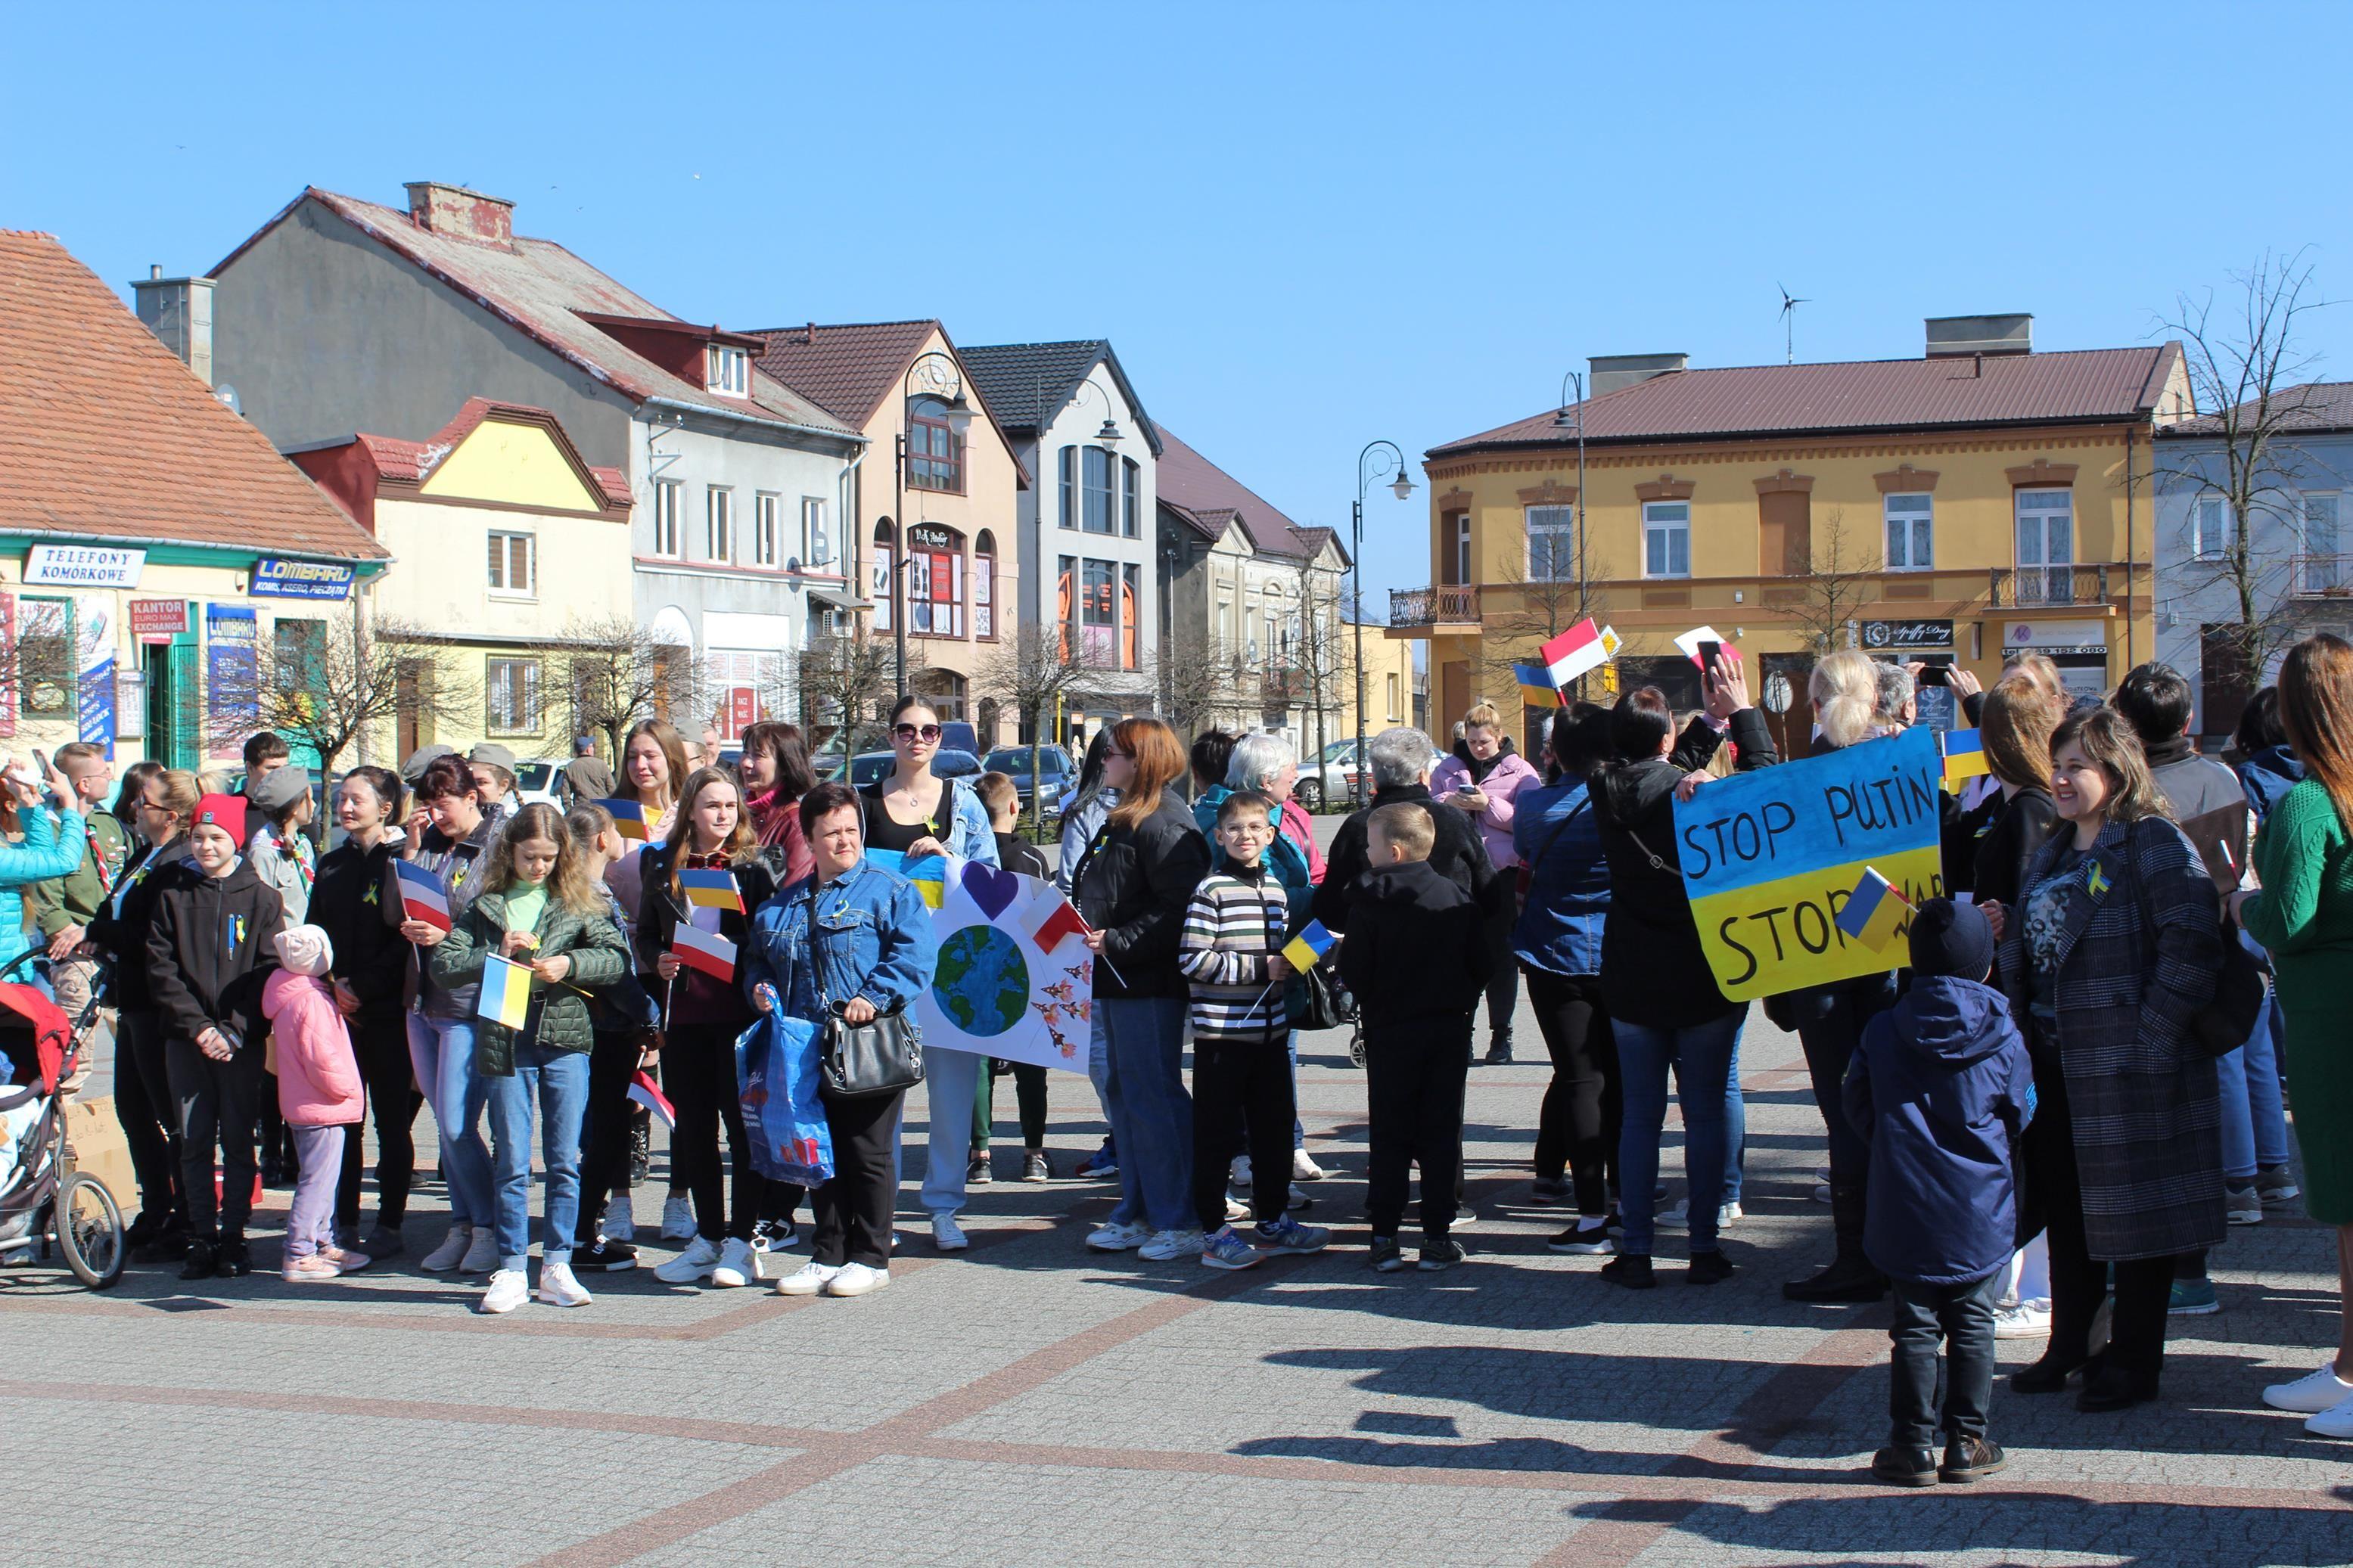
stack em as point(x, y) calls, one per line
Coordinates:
point(727, 371)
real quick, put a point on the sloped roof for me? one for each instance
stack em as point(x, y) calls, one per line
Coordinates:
point(104, 433)
point(2314, 406)
point(844, 369)
point(544, 290)
point(1026, 384)
point(1209, 498)
point(396, 459)
point(2079, 386)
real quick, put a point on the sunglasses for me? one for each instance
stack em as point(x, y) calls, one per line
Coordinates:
point(909, 732)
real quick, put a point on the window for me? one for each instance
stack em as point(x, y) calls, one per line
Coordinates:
point(1225, 625)
point(2211, 529)
point(512, 697)
point(1911, 532)
point(881, 588)
point(816, 539)
point(934, 581)
point(1066, 590)
point(514, 565)
point(719, 523)
point(1394, 716)
point(1095, 469)
point(1130, 599)
point(45, 658)
point(983, 585)
point(1666, 539)
point(764, 507)
point(2324, 569)
point(935, 456)
point(1130, 487)
point(1454, 565)
point(668, 497)
point(1099, 615)
point(1552, 544)
point(1070, 515)
point(2046, 547)
point(726, 369)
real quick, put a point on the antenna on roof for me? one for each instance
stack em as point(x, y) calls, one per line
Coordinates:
point(1789, 303)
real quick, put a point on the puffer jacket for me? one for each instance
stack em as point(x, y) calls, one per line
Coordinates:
point(1134, 886)
point(559, 1017)
point(52, 847)
point(1500, 778)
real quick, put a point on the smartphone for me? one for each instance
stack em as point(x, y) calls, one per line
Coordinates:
point(40, 761)
point(1935, 675)
point(1710, 655)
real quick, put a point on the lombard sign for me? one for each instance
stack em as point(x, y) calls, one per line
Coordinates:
point(274, 578)
point(83, 566)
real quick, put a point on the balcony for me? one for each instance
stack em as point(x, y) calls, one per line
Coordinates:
point(2320, 577)
point(1416, 612)
point(2040, 587)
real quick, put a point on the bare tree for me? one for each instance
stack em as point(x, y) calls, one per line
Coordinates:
point(1031, 672)
point(1319, 658)
point(1544, 603)
point(2247, 366)
point(608, 672)
point(844, 677)
point(1199, 679)
point(1845, 578)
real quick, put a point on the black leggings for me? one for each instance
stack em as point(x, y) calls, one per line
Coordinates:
point(381, 1046)
point(605, 1132)
point(699, 1070)
point(151, 1121)
point(1504, 980)
point(853, 1209)
point(1584, 1105)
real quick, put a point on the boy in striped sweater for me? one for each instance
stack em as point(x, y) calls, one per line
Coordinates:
point(1231, 951)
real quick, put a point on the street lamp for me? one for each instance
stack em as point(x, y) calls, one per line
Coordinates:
point(1572, 417)
point(1392, 460)
point(934, 374)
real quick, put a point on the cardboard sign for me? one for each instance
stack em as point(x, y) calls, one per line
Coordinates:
point(1014, 979)
point(1770, 857)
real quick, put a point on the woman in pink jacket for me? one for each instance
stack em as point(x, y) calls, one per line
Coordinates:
point(318, 1093)
point(1481, 778)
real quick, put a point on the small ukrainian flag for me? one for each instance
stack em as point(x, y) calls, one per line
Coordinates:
point(628, 817)
point(506, 992)
point(1537, 689)
point(1874, 910)
point(1965, 756)
point(1306, 950)
point(711, 887)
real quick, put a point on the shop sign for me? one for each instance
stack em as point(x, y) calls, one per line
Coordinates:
point(83, 566)
point(158, 620)
point(275, 578)
point(2054, 637)
point(1877, 634)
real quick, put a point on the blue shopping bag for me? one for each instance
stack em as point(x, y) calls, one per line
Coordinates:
point(777, 1081)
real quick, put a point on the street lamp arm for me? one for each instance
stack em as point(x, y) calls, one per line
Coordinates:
point(1392, 463)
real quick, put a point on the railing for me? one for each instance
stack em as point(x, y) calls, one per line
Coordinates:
point(2036, 587)
point(1446, 604)
point(2321, 577)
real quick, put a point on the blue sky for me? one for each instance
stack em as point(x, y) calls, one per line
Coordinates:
point(1304, 227)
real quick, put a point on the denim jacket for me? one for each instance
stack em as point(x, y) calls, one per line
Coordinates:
point(1554, 834)
point(873, 935)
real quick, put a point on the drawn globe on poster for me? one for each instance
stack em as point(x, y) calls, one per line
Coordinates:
point(982, 982)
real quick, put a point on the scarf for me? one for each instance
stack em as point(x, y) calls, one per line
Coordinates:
point(1481, 768)
point(2172, 749)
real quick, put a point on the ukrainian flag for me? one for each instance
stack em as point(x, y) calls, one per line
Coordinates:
point(506, 992)
point(1965, 756)
point(628, 817)
point(711, 887)
point(1874, 910)
point(1537, 689)
point(1306, 950)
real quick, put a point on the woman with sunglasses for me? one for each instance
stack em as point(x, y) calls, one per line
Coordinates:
point(912, 811)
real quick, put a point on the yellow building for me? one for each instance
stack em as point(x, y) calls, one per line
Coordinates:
point(509, 549)
point(1388, 680)
point(1981, 499)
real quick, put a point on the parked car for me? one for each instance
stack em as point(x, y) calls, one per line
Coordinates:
point(955, 735)
point(1329, 778)
point(947, 764)
point(539, 782)
point(1053, 766)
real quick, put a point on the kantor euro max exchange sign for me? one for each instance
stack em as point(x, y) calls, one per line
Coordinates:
point(1769, 858)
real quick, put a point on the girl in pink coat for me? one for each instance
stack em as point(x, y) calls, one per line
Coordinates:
point(318, 1092)
point(1481, 778)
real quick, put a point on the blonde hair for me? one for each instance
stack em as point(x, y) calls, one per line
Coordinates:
point(568, 884)
point(1844, 690)
point(180, 794)
point(2037, 668)
point(1483, 717)
point(740, 846)
point(2015, 727)
point(1407, 825)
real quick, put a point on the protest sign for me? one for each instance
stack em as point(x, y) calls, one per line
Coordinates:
point(1770, 857)
point(1015, 978)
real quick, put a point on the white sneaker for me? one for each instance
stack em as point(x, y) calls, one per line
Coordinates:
point(947, 1234)
point(1118, 1237)
point(811, 1278)
point(2337, 1421)
point(444, 1258)
point(2310, 1394)
point(1172, 1244)
point(558, 1289)
point(1303, 1169)
point(1821, 1192)
point(620, 1225)
point(482, 1253)
point(857, 1279)
point(1237, 1211)
point(678, 1218)
point(1679, 1216)
point(2025, 1321)
point(697, 1262)
point(735, 1265)
point(509, 1288)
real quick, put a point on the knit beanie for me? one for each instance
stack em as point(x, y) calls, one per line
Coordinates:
point(1951, 939)
point(225, 811)
point(305, 950)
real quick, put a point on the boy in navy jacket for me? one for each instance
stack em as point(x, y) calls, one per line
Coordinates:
point(1940, 1088)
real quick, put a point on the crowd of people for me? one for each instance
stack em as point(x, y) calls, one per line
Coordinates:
point(2039, 1119)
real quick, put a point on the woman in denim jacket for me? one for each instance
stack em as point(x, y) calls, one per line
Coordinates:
point(855, 938)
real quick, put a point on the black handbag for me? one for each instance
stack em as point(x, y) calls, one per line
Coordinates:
point(2223, 1024)
point(1328, 1001)
point(882, 1056)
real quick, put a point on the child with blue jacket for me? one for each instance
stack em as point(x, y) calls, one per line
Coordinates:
point(1940, 1089)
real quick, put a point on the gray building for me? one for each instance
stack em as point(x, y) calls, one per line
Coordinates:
point(341, 315)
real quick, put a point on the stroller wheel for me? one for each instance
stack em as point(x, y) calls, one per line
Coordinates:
point(89, 1231)
point(1357, 1048)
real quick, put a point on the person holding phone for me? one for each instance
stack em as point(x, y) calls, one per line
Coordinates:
point(1482, 779)
point(53, 839)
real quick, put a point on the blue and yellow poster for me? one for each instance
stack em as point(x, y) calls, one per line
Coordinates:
point(1769, 858)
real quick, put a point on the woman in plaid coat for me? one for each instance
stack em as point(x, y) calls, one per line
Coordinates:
point(2111, 949)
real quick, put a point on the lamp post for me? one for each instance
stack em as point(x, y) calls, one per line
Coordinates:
point(1392, 461)
point(940, 378)
point(1572, 417)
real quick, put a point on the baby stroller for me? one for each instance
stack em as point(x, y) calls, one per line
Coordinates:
point(43, 1201)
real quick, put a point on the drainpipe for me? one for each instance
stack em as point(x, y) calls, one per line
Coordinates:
point(2130, 560)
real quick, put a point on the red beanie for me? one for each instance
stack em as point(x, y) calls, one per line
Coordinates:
point(225, 811)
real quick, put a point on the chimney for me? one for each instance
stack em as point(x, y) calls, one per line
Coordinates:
point(1610, 372)
point(180, 311)
point(460, 213)
point(1959, 337)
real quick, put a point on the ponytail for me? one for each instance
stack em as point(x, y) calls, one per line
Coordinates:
point(1844, 688)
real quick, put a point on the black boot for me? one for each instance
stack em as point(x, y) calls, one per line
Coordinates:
point(1499, 1046)
point(1849, 1277)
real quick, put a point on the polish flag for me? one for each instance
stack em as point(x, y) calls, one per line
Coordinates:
point(643, 1091)
point(707, 951)
point(1054, 923)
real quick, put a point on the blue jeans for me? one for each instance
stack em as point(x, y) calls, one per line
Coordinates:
point(1735, 1120)
point(1150, 1114)
point(2254, 1123)
point(442, 1052)
point(1701, 1057)
point(559, 1082)
point(951, 1079)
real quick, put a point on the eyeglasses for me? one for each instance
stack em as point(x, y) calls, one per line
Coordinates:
point(909, 732)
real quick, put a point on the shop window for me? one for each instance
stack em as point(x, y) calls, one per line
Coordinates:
point(44, 657)
point(983, 585)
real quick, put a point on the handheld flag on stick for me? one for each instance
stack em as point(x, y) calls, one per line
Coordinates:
point(711, 887)
point(643, 1091)
point(1874, 910)
point(628, 817)
point(1689, 642)
point(1581, 647)
point(1055, 920)
point(1964, 757)
point(707, 951)
point(1537, 689)
point(506, 992)
point(1306, 950)
point(421, 898)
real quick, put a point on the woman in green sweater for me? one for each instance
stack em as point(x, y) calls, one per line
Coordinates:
point(2304, 917)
